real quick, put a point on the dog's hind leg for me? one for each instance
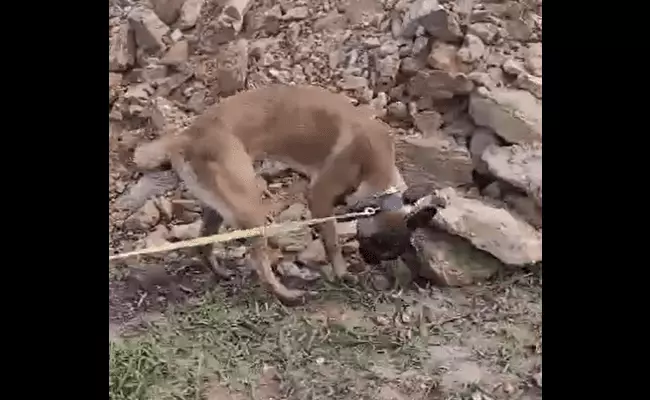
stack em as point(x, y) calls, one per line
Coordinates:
point(234, 187)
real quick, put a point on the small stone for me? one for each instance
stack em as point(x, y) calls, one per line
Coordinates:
point(313, 255)
point(364, 12)
point(513, 67)
point(156, 238)
point(439, 84)
point(271, 20)
point(435, 20)
point(166, 117)
point(515, 115)
point(187, 231)
point(138, 94)
point(481, 140)
point(226, 73)
point(261, 46)
point(533, 60)
point(334, 21)
point(121, 49)
point(410, 66)
point(114, 86)
point(519, 30)
point(428, 122)
point(296, 14)
point(398, 110)
point(389, 47)
point(177, 54)
point(189, 13)
point(482, 79)
point(197, 102)
point(149, 29)
point(443, 56)
point(351, 247)
point(496, 75)
point(176, 35)
point(380, 282)
point(150, 185)
point(145, 218)
point(419, 45)
point(493, 190)
point(378, 104)
point(351, 82)
point(460, 127)
point(531, 83)
point(371, 42)
point(397, 92)
point(387, 69)
point(473, 49)
point(486, 31)
point(167, 10)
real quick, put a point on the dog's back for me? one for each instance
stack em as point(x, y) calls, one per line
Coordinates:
point(303, 126)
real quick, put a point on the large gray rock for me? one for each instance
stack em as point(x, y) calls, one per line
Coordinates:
point(491, 229)
point(448, 260)
point(121, 48)
point(446, 162)
point(150, 185)
point(520, 166)
point(433, 18)
point(149, 29)
point(439, 84)
point(515, 115)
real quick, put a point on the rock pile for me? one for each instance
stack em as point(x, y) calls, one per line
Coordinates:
point(460, 81)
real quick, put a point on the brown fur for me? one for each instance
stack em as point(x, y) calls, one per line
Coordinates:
point(314, 131)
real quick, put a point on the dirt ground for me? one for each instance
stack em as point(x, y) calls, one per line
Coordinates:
point(235, 342)
point(184, 335)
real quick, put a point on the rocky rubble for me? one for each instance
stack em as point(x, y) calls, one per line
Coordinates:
point(459, 81)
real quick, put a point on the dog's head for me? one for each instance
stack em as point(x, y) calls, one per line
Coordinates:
point(386, 235)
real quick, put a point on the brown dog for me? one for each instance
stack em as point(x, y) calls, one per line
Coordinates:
point(316, 132)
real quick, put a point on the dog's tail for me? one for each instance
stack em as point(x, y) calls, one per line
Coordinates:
point(156, 154)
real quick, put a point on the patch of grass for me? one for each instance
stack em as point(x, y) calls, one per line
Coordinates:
point(229, 340)
point(349, 343)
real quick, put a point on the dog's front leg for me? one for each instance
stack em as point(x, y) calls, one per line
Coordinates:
point(212, 221)
point(321, 204)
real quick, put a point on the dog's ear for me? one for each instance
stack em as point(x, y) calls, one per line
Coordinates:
point(421, 217)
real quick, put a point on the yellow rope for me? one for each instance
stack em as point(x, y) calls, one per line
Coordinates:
point(266, 230)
